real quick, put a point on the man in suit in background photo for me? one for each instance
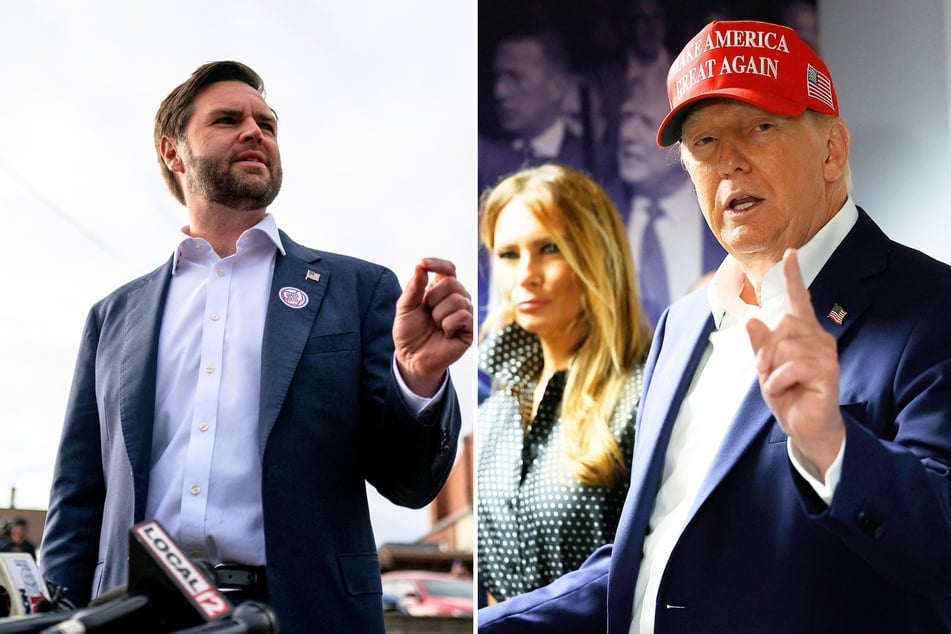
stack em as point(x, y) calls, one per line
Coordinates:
point(791, 468)
point(645, 57)
point(535, 99)
point(245, 391)
point(672, 244)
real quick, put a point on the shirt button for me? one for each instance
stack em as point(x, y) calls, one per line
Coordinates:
point(195, 489)
point(203, 426)
point(221, 273)
point(210, 369)
point(214, 316)
point(198, 245)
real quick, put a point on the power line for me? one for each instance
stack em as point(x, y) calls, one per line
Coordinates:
point(58, 211)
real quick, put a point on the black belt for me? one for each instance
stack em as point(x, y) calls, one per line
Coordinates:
point(236, 577)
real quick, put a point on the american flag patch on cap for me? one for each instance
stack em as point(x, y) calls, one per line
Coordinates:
point(818, 85)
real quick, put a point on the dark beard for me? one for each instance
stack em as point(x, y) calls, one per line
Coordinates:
point(214, 181)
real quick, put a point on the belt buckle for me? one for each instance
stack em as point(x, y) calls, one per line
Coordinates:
point(234, 576)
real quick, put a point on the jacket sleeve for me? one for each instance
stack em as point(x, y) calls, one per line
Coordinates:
point(575, 602)
point(892, 506)
point(71, 536)
point(409, 457)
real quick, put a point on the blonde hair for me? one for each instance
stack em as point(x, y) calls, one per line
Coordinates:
point(593, 240)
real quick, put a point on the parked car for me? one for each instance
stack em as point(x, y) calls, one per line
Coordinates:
point(393, 604)
point(424, 593)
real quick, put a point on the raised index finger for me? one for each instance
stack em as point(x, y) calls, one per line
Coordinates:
point(796, 292)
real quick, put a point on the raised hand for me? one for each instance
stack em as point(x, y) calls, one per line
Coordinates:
point(798, 367)
point(433, 325)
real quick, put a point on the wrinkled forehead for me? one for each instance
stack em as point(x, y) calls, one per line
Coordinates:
point(233, 98)
point(230, 93)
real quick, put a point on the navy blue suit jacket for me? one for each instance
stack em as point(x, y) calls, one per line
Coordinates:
point(760, 552)
point(331, 418)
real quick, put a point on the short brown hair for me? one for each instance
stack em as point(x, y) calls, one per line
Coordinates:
point(176, 110)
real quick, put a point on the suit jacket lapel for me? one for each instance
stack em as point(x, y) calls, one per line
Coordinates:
point(286, 329)
point(862, 254)
point(667, 390)
point(137, 394)
point(669, 377)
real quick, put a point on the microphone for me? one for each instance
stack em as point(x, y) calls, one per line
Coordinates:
point(99, 616)
point(20, 579)
point(250, 617)
point(21, 584)
point(166, 591)
point(159, 568)
point(32, 624)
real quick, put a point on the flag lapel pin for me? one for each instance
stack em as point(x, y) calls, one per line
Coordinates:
point(837, 314)
point(312, 276)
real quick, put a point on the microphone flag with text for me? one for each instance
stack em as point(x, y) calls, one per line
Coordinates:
point(21, 585)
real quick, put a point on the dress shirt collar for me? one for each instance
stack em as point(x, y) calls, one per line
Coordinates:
point(262, 233)
point(723, 293)
point(681, 196)
point(547, 144)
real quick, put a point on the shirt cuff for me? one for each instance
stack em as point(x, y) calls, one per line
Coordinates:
point(415, 403)
point(824, 490)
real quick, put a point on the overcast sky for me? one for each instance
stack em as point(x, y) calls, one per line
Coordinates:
point(377, 116)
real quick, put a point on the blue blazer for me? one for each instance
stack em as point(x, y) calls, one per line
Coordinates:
point(760, 552)
point(331, 419)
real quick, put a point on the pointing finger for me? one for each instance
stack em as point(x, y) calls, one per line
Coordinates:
point(796, 292)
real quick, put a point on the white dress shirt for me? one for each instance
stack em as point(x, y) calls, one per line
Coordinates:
point(205, 480)
point(723, 377)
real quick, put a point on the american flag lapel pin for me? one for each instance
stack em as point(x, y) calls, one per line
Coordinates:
point(837, 314)
point(314, 276)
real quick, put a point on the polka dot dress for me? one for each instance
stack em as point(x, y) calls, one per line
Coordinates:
point(535, 521)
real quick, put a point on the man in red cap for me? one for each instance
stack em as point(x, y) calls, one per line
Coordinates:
point(791, 469)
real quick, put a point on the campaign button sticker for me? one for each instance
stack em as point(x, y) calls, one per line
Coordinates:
point(293, 297)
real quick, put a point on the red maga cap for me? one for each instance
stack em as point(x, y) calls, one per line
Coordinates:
point(762, 64)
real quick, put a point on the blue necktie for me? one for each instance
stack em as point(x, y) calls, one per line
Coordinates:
point(652, 272)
